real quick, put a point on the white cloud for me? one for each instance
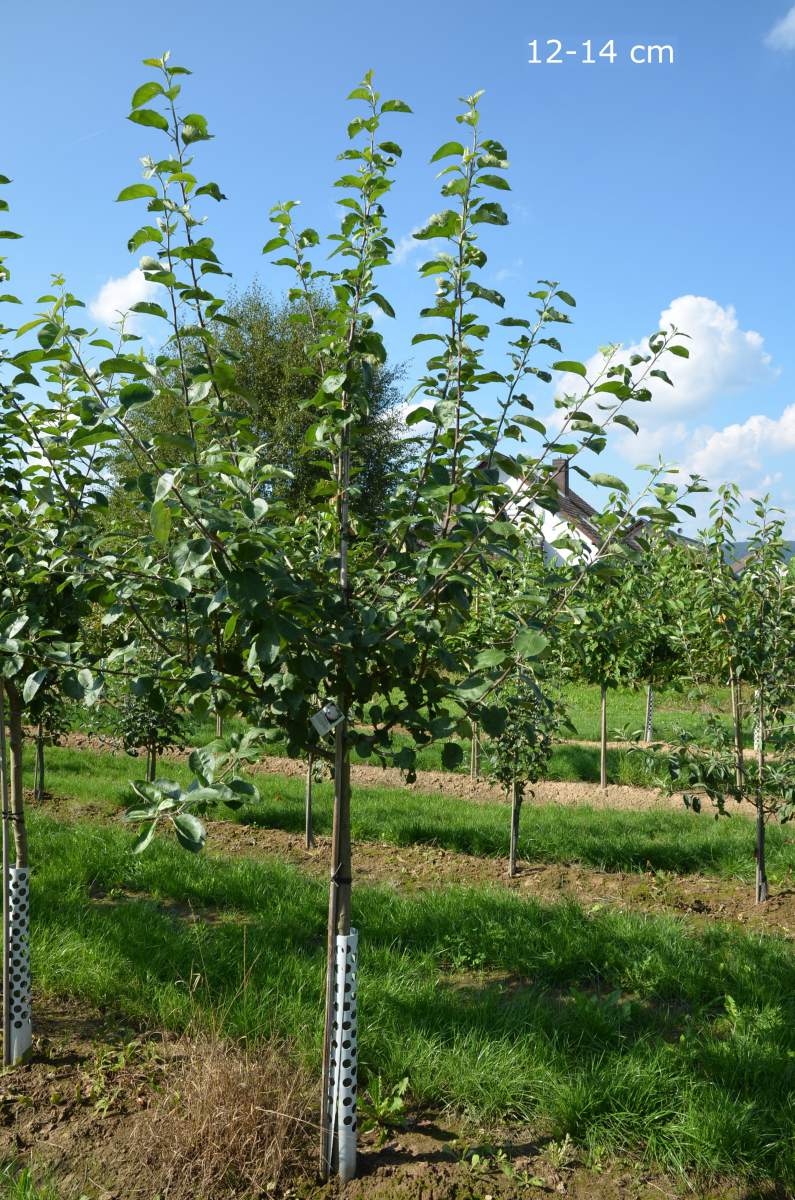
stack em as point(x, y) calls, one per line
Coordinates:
point(782, 35)
point(724, 358)
point(407, 246)
point(117, 296)
point(742, 450)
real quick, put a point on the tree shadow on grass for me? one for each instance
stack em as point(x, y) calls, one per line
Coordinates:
point(681, 843)
point(603, 1022)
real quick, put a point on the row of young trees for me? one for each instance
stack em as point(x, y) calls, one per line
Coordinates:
point(156, 532)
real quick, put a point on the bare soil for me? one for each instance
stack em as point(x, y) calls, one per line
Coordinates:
point(570, 793)
point(418, 868)
point(82, 1112)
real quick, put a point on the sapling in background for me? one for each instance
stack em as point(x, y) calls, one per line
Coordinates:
point(519, 756)
point(744, 622)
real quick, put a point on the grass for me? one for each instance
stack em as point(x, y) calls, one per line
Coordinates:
point(663, 840)
point(20, 1183)
point(626, 711)
point(627, 1032)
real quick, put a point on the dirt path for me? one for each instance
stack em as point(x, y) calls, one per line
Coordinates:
point(418, 868)
point(569, 793)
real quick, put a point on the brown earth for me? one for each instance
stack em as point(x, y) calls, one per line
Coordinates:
point(418, 868)
point(570, 793)
point(96, 1106)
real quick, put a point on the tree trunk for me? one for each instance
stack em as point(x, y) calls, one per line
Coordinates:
point(310, 833)
point(15, 780)
point(761, 873)
point(737, 723)
point(603, 740)
point(517, 795)
point(474, 755)
point(648, 731)
point(219, 725)
point(151, 762)
point(339, 908)
point(38, 773)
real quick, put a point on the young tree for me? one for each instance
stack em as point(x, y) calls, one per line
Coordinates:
point(338, 602)
point(605, 644)
point(745, 622)
point(519, 755)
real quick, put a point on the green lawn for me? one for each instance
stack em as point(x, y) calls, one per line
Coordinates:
point(627, 1032)
point(626, 711)
point(612, 840)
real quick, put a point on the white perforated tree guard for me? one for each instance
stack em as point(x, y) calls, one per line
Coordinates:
point(649, 730)
point(20, 1019)
point(343, 1062)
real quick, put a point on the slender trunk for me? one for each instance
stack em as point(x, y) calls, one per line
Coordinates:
point(603, 740)
point(517, 795)
point(219, 725)
point(737, 723)
point(474, 756)
point(17, 799)
point(648, 732)
point(151, 762)
point(310, 833)
point(761, 873)
point(339, 908)
point(38, 780)
point(758, 739)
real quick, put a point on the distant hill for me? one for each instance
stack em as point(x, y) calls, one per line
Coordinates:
point(742, 548)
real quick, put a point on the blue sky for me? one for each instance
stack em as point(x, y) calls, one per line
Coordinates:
point(645, 189)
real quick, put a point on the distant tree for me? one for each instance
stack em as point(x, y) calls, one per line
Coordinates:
point(266, 352)
point(519, 755)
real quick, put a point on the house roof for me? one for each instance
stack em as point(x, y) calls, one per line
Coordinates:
point(574, 509)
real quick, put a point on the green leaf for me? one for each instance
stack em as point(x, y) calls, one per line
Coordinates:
point(95, 436)
point(48, 335)
point(573, 368)
point(148, 309)
point(679, 351)
point(146, 92)
point(211, 189)
point(148, 116)
point(490, 658)
point(448, 149)
point(32, 685)
point(160, 521)
point(443, 224)
point(623, 419)
point(609, 481)
point(395, 106)
point(334, 383)
point(191, 834)
point(141, 842)
point(495, 181)
point(135, 393)
point(489, 213)
point(164, 485)
point(137, 191)
point(567, 298)
point(530, 643)
point(452, 755)
point(383, 304)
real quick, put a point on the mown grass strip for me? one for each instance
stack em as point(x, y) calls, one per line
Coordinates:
point(658, 840)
